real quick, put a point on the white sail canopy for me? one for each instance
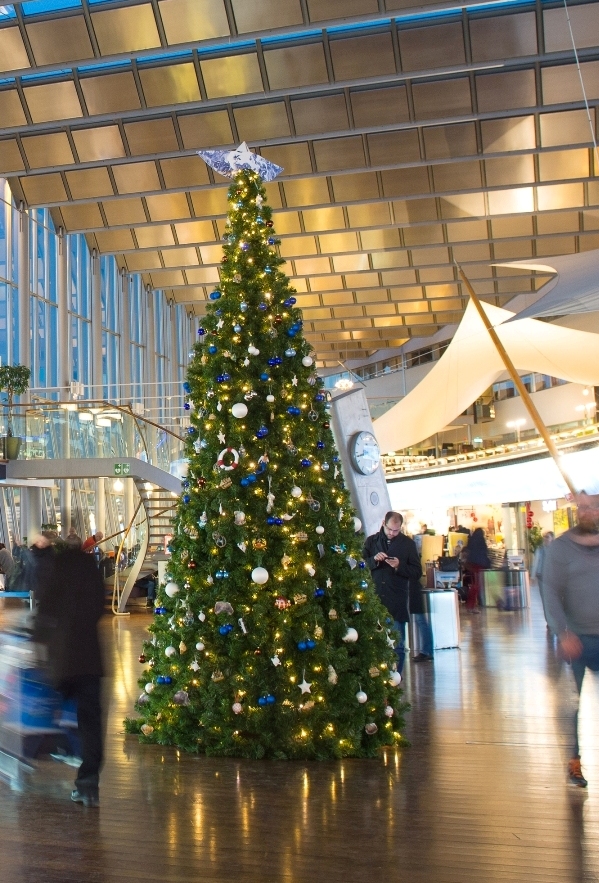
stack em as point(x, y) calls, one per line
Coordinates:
point(471, 364)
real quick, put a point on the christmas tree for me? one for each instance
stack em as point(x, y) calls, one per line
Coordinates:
point(267, 639)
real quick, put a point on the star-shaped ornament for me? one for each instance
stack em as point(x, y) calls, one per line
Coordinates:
point(220, 324)
point(305, 686)
point(390, 641)
point(329, 582)
point(275, 660)
point(227, 162)
point(221, 437)
point(294, 380)
point(195, 665)
point(197, 445)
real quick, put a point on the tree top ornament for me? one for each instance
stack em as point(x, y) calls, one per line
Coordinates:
point(228, 162)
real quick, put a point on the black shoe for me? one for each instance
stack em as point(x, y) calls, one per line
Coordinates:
point(87, 798)
point(423, 657)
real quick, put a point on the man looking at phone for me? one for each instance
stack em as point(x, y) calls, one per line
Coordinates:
point(393, 561)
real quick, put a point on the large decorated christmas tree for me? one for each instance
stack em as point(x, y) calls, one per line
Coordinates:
point(267, 639)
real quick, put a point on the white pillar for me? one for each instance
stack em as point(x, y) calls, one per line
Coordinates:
point(64, 370)
point(24, 290)
point(31, 512)
point(97, 373)
point(125, 348)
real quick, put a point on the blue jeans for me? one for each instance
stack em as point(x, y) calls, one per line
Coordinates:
point(425, 633)
point(589, 658)
point(400, 647)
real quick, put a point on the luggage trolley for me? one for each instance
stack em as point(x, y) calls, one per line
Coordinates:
point(29, 707)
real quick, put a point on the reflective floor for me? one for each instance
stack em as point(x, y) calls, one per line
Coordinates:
point(480, 795)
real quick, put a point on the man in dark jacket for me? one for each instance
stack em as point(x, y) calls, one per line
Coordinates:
point(67, 622)
point(393, 561)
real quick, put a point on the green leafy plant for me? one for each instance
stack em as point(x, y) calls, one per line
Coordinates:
point(535, 537)
point(14, 381)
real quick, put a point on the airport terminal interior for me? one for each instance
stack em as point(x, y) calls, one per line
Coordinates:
point(433, 175)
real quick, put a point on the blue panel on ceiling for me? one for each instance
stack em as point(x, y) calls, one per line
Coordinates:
point(38, 7)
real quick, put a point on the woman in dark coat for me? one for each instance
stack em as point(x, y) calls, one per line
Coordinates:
point(476, 559)
point(67, 622)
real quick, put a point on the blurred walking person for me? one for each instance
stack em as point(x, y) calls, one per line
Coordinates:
point(67, 622)
point(476, 559)
point(571, 597)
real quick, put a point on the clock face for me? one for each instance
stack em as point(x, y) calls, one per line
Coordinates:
point(365, 453)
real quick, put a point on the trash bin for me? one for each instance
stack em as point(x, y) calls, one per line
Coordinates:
point(442, 609)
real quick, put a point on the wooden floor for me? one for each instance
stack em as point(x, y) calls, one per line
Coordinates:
point(480, 795)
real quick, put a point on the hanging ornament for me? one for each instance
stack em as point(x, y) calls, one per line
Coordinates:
point(223, 607)
point(259, 544)
point(313, 416)
point(181, 697)
point(217, 676)
point(195, 665)
point(351, 636)
point(239, 410)
point(389, 711)
point(371, 729)
point(296, 492)
point(225, 483)
point(149, 687)
point(357, 525)
point(307, 361)
point(200, 646)
point(260, 575)
point(219, 540)
point(170, 651)
point(242, 546)
point(253, 351)
point(239, 517)
point(242, 626)
point(332, 613)
point(300, 598)
point(201, 616)
point(361, 696)
point(313, 504)
point(374, 672)
point(333, 677)
point(147, 729)
point(182, 648)
point(232, 459)
point(395, 678)
point(275, 660)
point(270, 398)
point(282, 603)
point(319, 530)
point(305, 686)
point(356, 608)
point(171, 589)
point(237, 708)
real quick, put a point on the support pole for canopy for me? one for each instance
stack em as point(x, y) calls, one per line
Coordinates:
point(524, 394)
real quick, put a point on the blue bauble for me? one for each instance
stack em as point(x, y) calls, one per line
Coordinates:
point(186, 387)
point(218, 312)
point(302, 645)
point(212, 349)
point(318, 593)
point(187, 406)
point(244, 246)
point(243, 306)
point(277, 360)
point(244, 482)
point(291, 333)
point(159, 610)
point(289, 302)
point(201, 332)
point(262, 701)
point(225, 574)
point(361, 565)
point(320, 445)
point(271, 520)
point(291, 410)
point(364, 584)
point(220, 378)
point(191, 430)
point(271, 240)
point(223, 630)
point(290, 353)
point(335, 459)
point(270, 699)
point(236, 328)
point(262, 432)
point(168, 680)
point(186, 498)
point(226, 376)
point(262, 307)
point(218, 574)
point(264, 377)
point(215, 295)
point(185, 484)
point(267, 270)
point(319, 397)
point(251, 478)
point(278, 522)
point(310, 644)
point(272, 362)
point(305, 463)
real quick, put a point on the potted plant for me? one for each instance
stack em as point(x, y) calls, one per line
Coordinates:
point(14, 381)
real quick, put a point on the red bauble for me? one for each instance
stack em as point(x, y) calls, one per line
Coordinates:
point(277, 320)
point(326, 425)
point(201, 481)
point(192, 565)
point(142, 658)
point(269, 224)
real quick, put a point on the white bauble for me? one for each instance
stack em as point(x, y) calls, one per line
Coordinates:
point(149, 687)
point(253, 351)
point(260, 575)
point(296, 492)
point(389, 711)
point(361, 697)
point(170, 651)
point(395, 679)
point(239, 410)
point(237, 707)
point(307, 361)
point(172, 589)
point(357, 525)
point(201, 616)
point(200, 646)
point(319, 529)
point(270, 398)
point(351, 636)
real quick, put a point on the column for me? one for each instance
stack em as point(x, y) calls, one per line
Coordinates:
point(31, 512)
point(97, 363)
point(24, 289)
point(151, 390)
point(125, 350)
point(64, 371)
